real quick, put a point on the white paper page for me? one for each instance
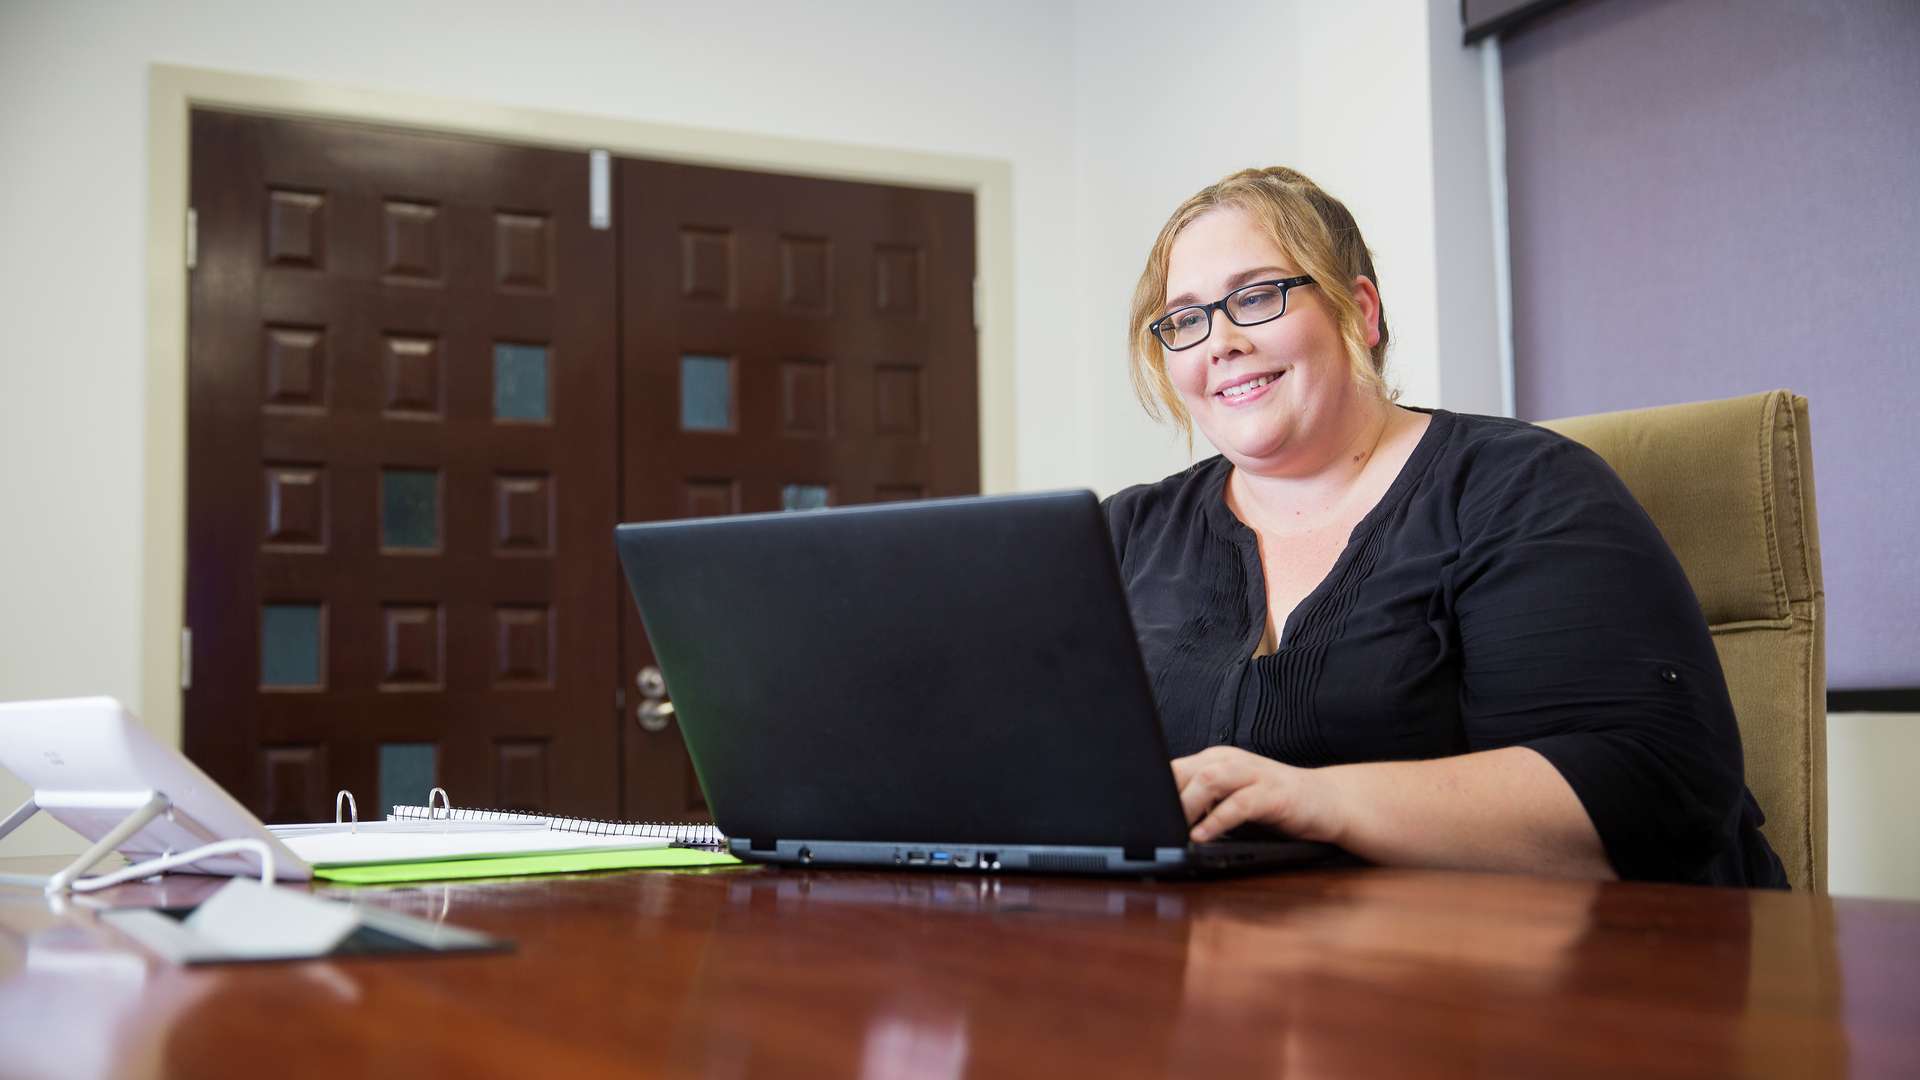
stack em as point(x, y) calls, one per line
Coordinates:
point(391, 826)
point(356, 849)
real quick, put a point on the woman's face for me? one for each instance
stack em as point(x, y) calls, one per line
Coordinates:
point(1306, 402)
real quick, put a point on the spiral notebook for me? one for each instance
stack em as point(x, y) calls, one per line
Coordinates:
point(677, 833)
point(440, 841)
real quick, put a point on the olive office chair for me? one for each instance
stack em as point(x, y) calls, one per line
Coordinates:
point(1730, 484)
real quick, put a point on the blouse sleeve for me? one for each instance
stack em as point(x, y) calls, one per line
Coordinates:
point(1581, 639)
point(1119, 509)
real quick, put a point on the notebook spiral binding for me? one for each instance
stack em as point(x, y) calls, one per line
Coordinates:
point(682, 834)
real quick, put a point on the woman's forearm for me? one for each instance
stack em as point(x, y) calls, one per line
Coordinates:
point(1506, 809)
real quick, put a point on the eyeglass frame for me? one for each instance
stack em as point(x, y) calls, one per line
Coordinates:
point(1287, 285)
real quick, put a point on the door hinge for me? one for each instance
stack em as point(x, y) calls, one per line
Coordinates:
point(193, 238)
point(976, 303)
point(186, 658)
point(599, 189)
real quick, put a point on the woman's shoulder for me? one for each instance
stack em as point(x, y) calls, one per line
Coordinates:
point(1495, 466)
point(1492, 451)
point(1178, 500)
point(1501, 435)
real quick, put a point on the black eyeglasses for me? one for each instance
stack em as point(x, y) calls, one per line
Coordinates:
point(1248, 305)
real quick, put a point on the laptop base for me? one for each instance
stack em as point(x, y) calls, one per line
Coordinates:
point(1036, 858)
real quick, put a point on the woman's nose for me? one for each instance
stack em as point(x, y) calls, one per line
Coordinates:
point(1227, 340)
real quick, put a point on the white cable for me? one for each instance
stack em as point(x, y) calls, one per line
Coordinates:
point(168, 862)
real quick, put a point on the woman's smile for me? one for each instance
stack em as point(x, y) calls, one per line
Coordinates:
point(1247, 389)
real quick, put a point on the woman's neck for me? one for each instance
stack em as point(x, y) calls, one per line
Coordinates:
point(1311, 493)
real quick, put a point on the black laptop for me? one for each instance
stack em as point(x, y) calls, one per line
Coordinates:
point(951, 684)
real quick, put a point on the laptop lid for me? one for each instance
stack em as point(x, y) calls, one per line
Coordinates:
point(954, 671)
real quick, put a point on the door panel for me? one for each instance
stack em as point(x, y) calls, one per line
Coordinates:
point(787, 342)
point(401, 438)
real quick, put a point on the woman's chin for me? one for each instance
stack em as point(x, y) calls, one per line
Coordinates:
point(1249, 444)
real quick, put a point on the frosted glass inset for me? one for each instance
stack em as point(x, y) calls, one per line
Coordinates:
point(410, 509)
point(407, 774)
point(520, 382)
point(803, 497)
point(290, 645)
point(706, 393)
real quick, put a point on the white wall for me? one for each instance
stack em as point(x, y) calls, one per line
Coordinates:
point(1873, 805)
point(1465, 203)
point(1233, 90)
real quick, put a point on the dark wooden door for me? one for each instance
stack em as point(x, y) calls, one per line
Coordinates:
point(789, 343)
point(401, 452)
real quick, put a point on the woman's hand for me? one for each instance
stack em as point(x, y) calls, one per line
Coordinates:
point(1222, 787)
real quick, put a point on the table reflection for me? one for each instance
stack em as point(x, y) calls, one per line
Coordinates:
point(76, 999)
point(750, 972)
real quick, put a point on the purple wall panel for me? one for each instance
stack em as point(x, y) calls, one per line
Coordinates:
point(1716, 197)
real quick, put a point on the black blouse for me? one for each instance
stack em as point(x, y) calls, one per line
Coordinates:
point(1506, 591)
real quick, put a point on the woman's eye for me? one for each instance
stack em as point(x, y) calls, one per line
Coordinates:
point(1255, 300)
point(1185, 320)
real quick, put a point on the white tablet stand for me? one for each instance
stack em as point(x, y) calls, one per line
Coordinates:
point(156, 805)
point(91, 766)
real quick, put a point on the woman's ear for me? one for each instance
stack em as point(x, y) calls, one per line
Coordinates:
point(1368, 298)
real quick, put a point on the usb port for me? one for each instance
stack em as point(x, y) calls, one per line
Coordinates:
point(916, 858)
point(942, 858)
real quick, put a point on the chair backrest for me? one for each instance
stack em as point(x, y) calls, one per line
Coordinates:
point(1730, 485)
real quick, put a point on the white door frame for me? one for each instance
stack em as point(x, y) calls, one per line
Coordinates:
point(173, 91)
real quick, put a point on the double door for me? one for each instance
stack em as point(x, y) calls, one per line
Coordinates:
point(427, 377)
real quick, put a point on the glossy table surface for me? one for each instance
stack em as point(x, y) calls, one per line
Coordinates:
point(753, 972)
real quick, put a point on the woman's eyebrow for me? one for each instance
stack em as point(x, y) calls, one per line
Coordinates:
point(1245, 276)
point(1233, 283)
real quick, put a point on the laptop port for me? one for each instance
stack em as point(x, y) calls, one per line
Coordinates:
point(989, 860)
point(916, 858)
point(963, 859)
point(942, 858)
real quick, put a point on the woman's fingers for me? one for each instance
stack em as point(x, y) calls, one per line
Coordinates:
point(1208, 777)
point(1201, 790)
point(1184, 768)
point(1223, 787)
point(1234, 810)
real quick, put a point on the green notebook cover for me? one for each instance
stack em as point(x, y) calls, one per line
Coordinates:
point(522, 865)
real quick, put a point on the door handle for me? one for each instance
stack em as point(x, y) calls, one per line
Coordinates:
point(654, 716)
point(655, 712)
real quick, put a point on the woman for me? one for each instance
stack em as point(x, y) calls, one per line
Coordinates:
point(1432, 639)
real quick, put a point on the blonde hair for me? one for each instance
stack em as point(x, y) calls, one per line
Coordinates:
point(1312, 230)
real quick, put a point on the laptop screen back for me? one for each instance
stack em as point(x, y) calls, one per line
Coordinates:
point(962, 670)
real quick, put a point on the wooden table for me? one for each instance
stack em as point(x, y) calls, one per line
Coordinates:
point(752, 972)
